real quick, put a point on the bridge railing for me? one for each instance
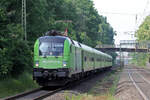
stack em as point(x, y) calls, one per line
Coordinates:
point(106, 46)
point(135, 46)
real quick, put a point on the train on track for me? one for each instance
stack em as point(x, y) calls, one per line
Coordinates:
point(59, 59)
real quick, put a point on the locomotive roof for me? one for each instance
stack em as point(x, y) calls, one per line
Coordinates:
point(47, 37)
point(77, 44)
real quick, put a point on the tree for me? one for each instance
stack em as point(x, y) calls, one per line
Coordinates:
point(142, 34)
point(86, 26)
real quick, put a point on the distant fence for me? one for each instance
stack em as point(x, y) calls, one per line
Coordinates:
point(126, 44)
point(125, 47)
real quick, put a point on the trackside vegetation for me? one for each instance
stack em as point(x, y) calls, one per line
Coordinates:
point(142, 34)
point(16, 53)
point(87, 27)
point(104, 89)
point(11, 86)
point(140, 59)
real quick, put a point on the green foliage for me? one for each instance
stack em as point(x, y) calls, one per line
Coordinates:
point(11, 86)
point(142, 34)
point(110, 80)
point(15, 57)
point(140, 59)
point(87, 26)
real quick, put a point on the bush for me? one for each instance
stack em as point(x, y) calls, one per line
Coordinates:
point(11, 86)
point(21, 58)
point(15, 57)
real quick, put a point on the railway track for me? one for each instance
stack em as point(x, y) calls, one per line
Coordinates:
point(36, 94)
point(140, 83)
point(41, 93)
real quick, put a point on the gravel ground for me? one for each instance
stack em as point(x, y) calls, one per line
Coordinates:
point(145, 73)
point(92, 86)
point(142, 85)
point(125, 89)
point(97, 86)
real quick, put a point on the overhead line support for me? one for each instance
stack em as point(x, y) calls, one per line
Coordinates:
point(24, 20)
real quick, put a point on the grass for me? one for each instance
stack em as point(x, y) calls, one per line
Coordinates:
point(91, 97)
point(109, 82)
point(12, 86)
point(112, 89)
point(140, 59)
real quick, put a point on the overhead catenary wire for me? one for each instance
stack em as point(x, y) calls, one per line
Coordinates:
point(120, 13)
point(143, 15)
point(139, 17)
point(124, 14)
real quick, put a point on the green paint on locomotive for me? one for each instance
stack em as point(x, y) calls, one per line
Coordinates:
point(75, 57)
point(51, 62)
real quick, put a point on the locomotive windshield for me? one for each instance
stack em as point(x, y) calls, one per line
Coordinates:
point(51, 46)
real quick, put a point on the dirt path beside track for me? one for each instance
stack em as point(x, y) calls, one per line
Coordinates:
point(94, 86)
point(134, 84)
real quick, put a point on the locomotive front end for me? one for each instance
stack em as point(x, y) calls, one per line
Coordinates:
point(50, 60)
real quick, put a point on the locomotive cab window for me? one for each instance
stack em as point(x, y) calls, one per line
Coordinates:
point(51, 47)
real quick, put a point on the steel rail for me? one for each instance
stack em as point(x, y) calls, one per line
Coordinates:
point(138, 70)
point(143, 78)
point(49, 92)
point(42, 96)
point(137, 87)
point(22, 94)
point(147, 71)
point(73, 83)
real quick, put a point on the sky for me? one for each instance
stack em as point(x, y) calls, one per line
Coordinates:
point(123, 15)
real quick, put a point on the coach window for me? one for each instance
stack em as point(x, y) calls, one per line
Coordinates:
point(92, 59)
point(97, 60)
point(85, 58)
point(100, 59)
point(70, 48)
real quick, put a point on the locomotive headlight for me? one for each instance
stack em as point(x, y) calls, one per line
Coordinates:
point(64, 63)
point(36, 63)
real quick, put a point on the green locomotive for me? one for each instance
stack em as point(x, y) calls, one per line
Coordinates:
point(58, 59)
